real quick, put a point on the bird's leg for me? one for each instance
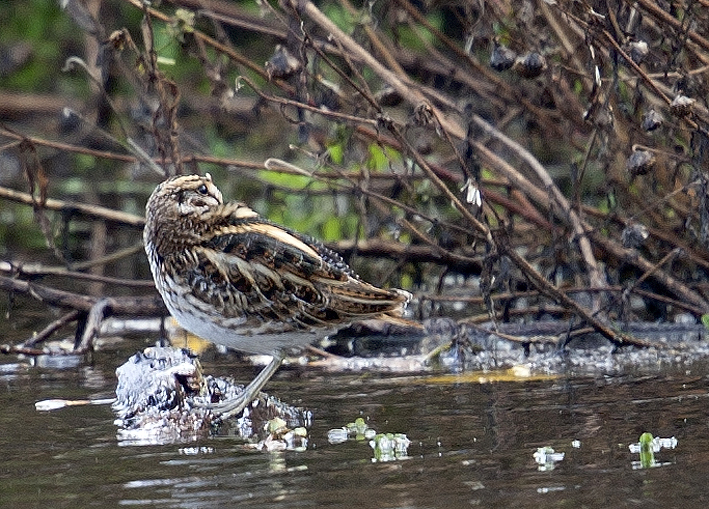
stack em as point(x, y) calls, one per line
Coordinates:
point(234, 406)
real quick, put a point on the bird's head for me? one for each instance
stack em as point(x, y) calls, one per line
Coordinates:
point(183, 197)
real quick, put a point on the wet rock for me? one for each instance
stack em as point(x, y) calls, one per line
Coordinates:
point(163, 397)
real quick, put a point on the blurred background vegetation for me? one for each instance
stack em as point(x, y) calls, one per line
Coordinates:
point(484, 154)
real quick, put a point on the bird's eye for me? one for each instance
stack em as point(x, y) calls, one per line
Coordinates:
point(202, 190)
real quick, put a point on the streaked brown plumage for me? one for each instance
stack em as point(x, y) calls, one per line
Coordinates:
point(234, 278)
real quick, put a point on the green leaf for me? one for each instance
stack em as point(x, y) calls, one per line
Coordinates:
point(336, 152)
point(705, 321)
point(332, 229)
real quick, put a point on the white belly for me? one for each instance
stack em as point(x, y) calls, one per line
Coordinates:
point(196, 317)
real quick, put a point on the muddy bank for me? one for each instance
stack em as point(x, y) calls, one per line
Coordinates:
point(545, 346)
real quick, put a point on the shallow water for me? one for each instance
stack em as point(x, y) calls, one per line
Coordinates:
point(472, 443)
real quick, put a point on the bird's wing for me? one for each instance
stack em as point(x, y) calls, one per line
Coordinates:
point(264, 270)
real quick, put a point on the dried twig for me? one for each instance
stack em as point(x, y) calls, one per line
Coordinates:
point(127, 306)
point(95, 211)
point(50, 329)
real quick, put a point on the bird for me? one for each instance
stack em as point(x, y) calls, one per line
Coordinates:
point(236, 279)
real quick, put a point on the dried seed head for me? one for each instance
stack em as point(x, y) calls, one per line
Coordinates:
point(681, 105)
point(388, 96)
point(652, 120)
point(423, 115)
point(282, 64)
point(530, 65)
point(118, 40)
point(640, 162)
point(638, 51)
point(502, 58)
point(634, 235)
point(601, 115)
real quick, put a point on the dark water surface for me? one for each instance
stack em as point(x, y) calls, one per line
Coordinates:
point(472, 443)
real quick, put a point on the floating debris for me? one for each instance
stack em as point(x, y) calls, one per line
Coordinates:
point(654, 444)
point(647, 446)
point(390, 446)
point(282, 438)
point(516, 373)
point(47, 405)
point(338, 435)
point(357, 430)
point(547, 458)
point(194, 451)
point(386, 446)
